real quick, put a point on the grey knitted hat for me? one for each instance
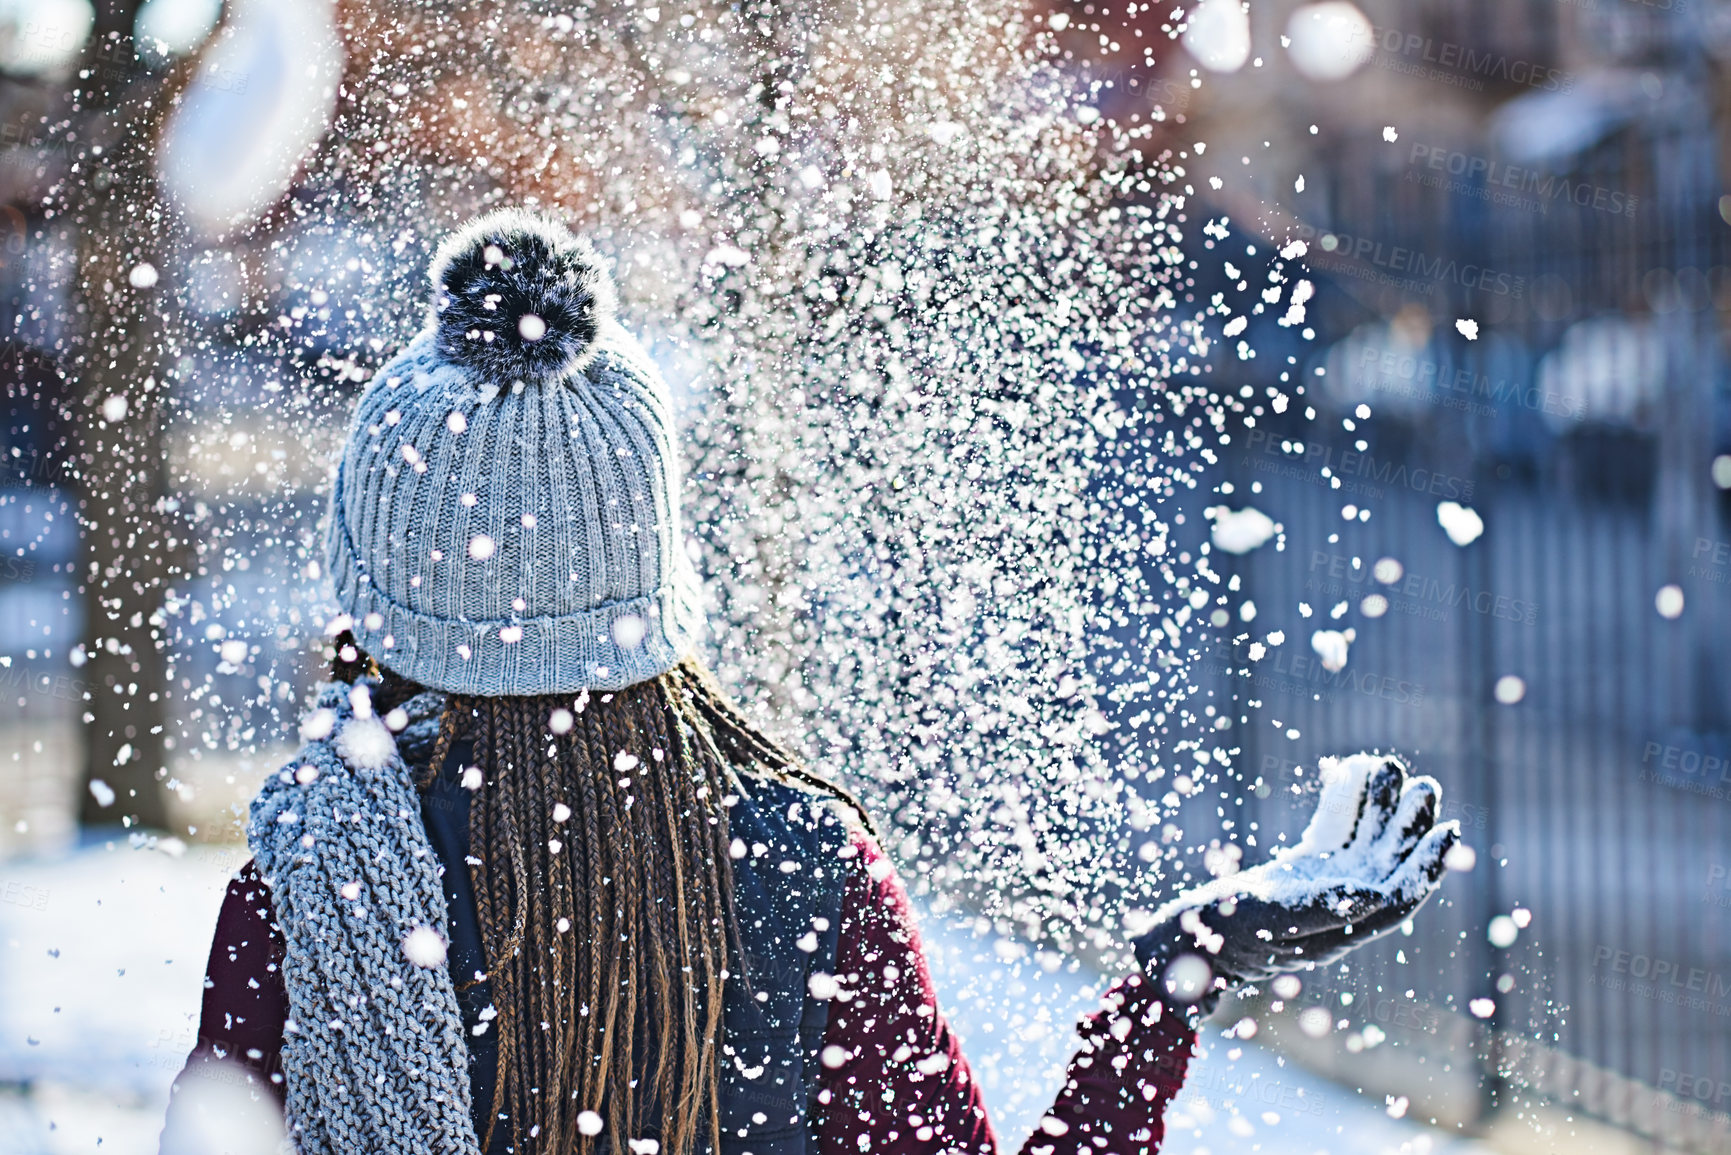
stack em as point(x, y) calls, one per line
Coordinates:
point(505, 519)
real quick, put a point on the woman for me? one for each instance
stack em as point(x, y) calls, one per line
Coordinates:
point(533, 884)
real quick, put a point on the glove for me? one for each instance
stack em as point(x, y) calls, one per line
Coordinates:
point(1372, 854)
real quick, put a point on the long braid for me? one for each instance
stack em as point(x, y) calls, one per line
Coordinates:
point(503, 877)
point(621, 1012)
point(744, 743)
point(705, 912)
point(450, 725)
point(618, 878)
point(593, 926)
point(672, 907)
point(528, 1008)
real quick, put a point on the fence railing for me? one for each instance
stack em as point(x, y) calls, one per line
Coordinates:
point(1583, 740)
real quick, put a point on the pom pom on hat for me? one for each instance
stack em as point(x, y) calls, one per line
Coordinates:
point(519, 297)
point(525, 443)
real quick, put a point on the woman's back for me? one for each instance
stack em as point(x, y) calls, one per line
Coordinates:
point(532, 883)
point(831, 1036)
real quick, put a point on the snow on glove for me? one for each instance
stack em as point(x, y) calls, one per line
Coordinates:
point(1372, 854)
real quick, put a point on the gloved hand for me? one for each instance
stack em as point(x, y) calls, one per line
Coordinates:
point(1372, 854)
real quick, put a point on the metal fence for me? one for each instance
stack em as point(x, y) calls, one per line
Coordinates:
point(1565, 675)
point(1599, 800)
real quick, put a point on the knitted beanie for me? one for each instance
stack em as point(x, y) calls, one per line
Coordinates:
point(505, 519)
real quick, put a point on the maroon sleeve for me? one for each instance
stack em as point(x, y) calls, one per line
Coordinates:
point(1130, 1065)
point(245, 1004)
point(895, 1081)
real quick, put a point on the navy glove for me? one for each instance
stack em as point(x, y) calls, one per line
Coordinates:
point(1372, 854)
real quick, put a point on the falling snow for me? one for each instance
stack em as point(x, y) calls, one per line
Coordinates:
point(953, 399)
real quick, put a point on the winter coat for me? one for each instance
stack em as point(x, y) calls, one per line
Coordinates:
point(888, 1077)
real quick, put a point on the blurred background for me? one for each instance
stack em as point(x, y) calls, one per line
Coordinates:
point(1473, 509)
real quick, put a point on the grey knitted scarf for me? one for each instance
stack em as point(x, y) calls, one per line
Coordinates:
point(373, 1052)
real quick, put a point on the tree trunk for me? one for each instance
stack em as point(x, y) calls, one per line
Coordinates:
point(121, 229)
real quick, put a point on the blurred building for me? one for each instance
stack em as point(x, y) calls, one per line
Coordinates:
point(1514, 219)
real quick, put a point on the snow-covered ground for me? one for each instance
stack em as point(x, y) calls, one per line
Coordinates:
point(101, 966)
point(102, 956)
point(1016, 1024)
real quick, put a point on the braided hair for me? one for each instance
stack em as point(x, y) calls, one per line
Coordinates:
point(598, 848)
